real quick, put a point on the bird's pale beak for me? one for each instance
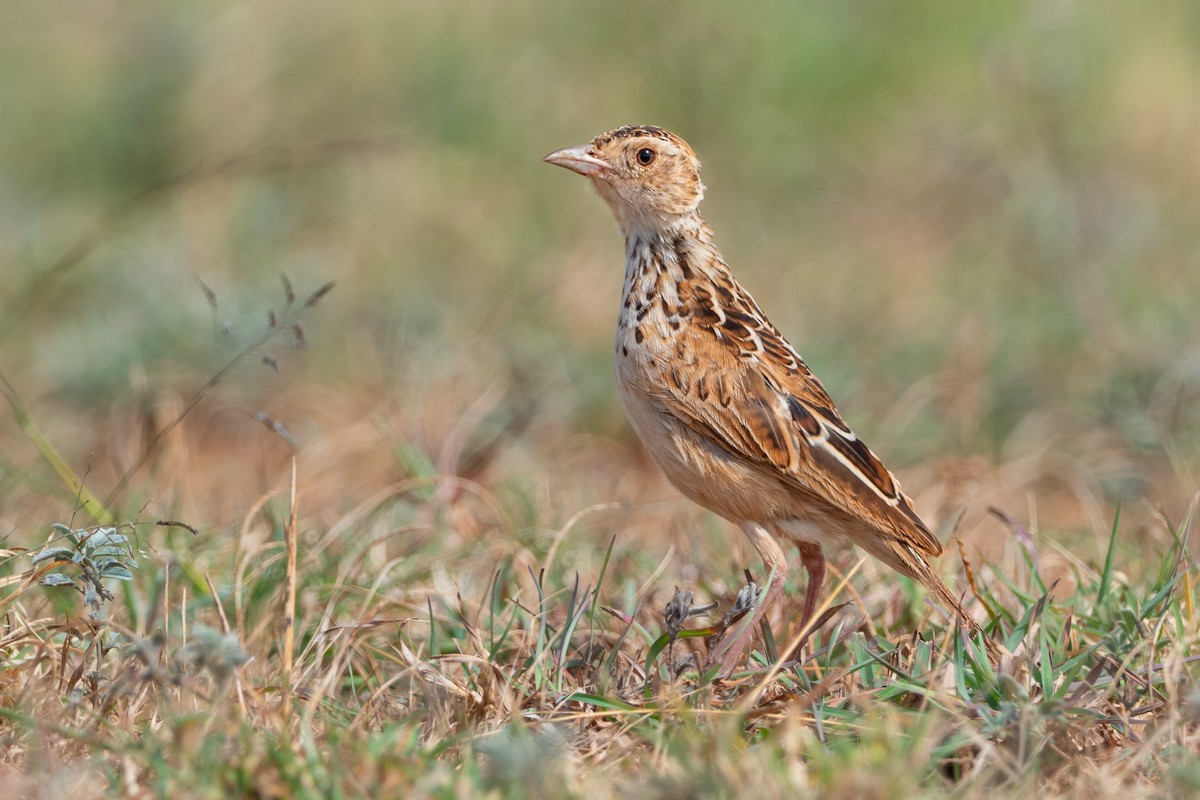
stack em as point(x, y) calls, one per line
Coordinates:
point(577, 159)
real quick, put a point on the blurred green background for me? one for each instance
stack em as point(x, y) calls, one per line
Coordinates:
point(977, 222)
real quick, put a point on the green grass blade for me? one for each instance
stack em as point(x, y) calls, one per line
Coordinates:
point(1106, 575)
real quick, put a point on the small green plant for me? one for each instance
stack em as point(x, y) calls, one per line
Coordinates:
point(90, 556)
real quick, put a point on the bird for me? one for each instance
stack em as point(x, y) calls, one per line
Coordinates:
point(724, 405)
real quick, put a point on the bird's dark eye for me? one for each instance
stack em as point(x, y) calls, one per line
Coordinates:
point(645, 156)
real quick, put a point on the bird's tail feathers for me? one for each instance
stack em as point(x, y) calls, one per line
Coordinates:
point(908, 562)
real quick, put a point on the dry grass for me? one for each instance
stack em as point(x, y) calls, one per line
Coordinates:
point(462, 636)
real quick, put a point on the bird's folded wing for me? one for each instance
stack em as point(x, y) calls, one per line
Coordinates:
point(761, 402)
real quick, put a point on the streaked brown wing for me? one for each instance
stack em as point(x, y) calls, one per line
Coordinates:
point(761, 402)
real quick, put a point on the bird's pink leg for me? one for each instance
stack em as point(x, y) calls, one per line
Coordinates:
point(732, 648)
point(814, 563)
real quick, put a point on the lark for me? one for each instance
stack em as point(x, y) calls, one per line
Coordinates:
point(723, 403)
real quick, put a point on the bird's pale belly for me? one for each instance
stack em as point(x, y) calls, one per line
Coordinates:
point(704, 472)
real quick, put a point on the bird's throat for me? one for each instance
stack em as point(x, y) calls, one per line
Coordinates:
point(683, 249)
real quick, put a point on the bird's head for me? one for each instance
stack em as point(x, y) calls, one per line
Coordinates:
point(649, 177)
